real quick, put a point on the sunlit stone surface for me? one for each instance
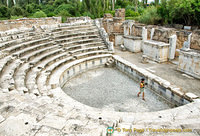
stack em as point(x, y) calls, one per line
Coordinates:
point(110, 89)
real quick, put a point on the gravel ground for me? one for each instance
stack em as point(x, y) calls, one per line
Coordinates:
point(110, 89)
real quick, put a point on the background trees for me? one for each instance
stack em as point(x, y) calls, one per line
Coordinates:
point(185, 12)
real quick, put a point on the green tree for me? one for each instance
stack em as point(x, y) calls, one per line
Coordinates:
point(150, 16)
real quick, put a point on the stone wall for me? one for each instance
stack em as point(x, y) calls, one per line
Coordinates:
point(75, 19)
point(162, 34)
point(28, 23)
point(82, 66)
point(160, 86)
point(195, 43)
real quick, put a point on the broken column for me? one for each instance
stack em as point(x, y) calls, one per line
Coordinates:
point(172, 46)
point(186, 45)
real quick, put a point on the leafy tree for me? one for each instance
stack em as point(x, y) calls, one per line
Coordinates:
point(32, 8)
point(66, 7)
point(150, 16)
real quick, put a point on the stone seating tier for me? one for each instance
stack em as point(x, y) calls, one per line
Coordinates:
point(65, 34)
point(54, 79)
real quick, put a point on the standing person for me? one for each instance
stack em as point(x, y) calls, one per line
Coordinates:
point(142, 84)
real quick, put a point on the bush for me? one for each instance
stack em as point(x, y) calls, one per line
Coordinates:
point(51, 14)
point(16, 17)
point(88, 14)
point(150, 16)
point(17, 11)
point(111, 12)
point(130, 13)
point(4, 12)
point(64, 14)
point(39, 14)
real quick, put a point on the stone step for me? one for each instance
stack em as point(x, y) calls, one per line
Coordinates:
point(85, 41)
point(86, 49)
point(76, 38)
point(84, 45)
point(70, 31)
point(32, 59)
point(65, 38)
point(25, 45)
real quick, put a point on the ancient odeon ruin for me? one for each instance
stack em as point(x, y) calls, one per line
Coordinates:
point(39, 58)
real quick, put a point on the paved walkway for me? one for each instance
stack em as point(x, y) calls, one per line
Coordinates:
point(167, 71)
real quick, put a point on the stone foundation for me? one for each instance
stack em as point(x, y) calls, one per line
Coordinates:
point(189, 63)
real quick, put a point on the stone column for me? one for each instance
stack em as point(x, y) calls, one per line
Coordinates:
point(144, 34)
point(172, 46)
point(152, 33)
point(144, 37)
point(186, 45)
point(130, 24)
point(125, 28)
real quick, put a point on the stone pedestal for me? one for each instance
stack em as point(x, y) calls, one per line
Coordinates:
point(133, 43)
point(189, 62)
point(156, 51)
point(119, 39)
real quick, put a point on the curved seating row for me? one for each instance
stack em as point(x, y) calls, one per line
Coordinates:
point(25, 63)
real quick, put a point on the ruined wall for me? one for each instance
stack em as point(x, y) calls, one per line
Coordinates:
point(137, 30)
point(28, 23)
point(114, 25)
point(195, 43)
point(162, 34)
point(75, 19)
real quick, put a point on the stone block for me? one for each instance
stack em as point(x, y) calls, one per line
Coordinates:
point(189, 62)
point(133, 43)
point(156, 51)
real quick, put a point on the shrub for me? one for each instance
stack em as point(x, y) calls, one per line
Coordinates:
point(51, 14)
point(64, 14)
point(4, 12)
point(39, 14)
point(150, 16)
point(88, 14)
point(16, 17)
point(111, 12)
point(131, 13)
point(17, 11)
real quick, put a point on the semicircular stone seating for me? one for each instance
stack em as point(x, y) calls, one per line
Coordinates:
point(34, 65)
point(25, 62)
